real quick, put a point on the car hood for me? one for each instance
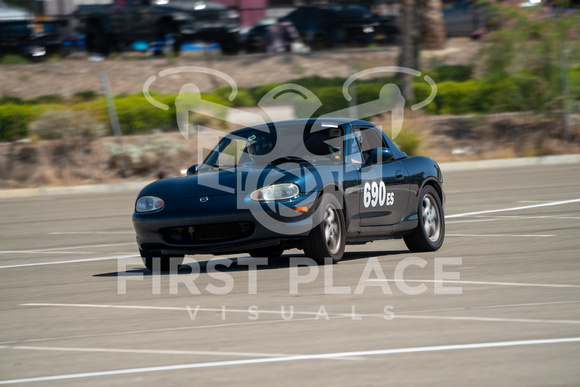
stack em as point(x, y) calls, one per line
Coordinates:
point(238, 181)
point(8, 14)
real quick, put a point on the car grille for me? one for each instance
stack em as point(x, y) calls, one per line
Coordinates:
point(208, 233)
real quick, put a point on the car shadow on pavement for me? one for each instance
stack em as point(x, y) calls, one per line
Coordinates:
point(241, 264)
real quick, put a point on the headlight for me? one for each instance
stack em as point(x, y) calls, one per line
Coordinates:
point(149, 203)
point(276, 192)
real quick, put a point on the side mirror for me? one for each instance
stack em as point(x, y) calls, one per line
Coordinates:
point(192, 170)
point(379, 156)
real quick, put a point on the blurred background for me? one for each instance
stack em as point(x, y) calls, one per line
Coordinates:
point(72, 73)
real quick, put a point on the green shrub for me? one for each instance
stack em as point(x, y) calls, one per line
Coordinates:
point(332, 100)
point(456, 73)
point(78, 128)
point(422, 92)
point(11, 100)
point(83, 96)
point(137, 115)
point(12, 59)
point(409, 140)
point(45, 99)
point(315, 82)
point(14, 120)
point(244, 97)
point(259, 92)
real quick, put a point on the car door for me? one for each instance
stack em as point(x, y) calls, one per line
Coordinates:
point(385, 185)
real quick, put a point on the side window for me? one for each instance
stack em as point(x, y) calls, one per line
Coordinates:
point(371, 139)
point(353, 146)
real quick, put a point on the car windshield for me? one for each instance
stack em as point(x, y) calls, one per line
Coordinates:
point(315, 143)
point(352, 12)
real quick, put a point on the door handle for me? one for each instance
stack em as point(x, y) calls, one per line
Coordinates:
point(399, 175)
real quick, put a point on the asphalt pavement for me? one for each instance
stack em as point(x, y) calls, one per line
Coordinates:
point(498, 305)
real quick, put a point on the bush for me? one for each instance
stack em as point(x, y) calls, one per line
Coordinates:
point(137, 115)
point(78, 128)
point(259, 92)
point(456, 73)
point(84, 96)
point(332, 100)
point(14, 120)
point(243, 98)
point(45, 99)
point(12, 59)
point(11, 100)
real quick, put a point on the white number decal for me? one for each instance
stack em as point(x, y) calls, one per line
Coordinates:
point(367, 195)
point(390, 198)
point(377, 194)
point(382, 193)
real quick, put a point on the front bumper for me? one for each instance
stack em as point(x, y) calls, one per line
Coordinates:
point(225, 224)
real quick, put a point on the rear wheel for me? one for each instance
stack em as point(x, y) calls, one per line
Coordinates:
point(326, 241)
point(97, 41)
point(160, 262)
point(430, 232)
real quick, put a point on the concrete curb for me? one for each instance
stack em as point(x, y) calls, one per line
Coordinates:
point(79, 189)
point(137, 185)
point(510, 163)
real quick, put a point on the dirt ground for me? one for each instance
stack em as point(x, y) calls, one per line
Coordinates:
point(128, 73)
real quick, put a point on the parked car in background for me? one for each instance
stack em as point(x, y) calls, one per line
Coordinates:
point(21, 34)
point(119, 25)
point(324, 26)
point(274, 36)
point(464, 18)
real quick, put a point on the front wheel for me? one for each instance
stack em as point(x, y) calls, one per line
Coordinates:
point(327, 240)
point(430, 232)
point(160, 262)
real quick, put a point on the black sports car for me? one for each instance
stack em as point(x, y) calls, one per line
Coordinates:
point(323, 26)
point(315, 184)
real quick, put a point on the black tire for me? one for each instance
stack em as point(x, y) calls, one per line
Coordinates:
point(165, 28)
point(97, 41)
point(328, 238)
point(268, 252)
point(160, 262)
point(321, 42)
point(230, 45)
point(430, 232)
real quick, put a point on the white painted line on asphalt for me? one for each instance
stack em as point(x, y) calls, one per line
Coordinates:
point(90, 232)
point(162, 330)
point(316, 314)
point(44, 252)
point(534, 201)
point(486, 319)
point(471, 221)
point(59, 249)
point(482, 283)
point(72, 261)
point(531, 217)
point(180, 308)
point(501, 235)
point(298, 358)
point(513, 208)
point(145, 351)
point(467, 308)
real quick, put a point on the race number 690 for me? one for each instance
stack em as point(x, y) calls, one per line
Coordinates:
point(376, 194)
